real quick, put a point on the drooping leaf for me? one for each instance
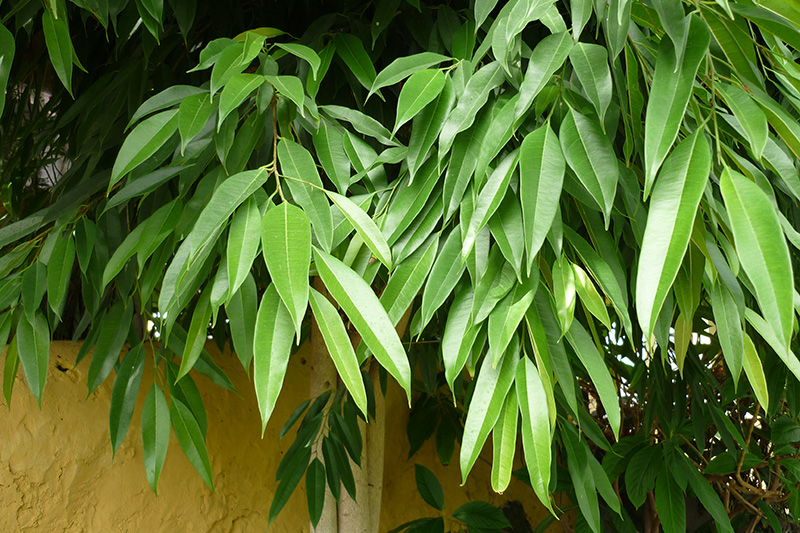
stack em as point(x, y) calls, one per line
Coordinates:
point(669, 95)
point(504, 442)
point(191, 440)
point(364, 309)
point(286, 246)
point(403, 67)
point(365, 227)
point(243, 240)
point(124, 393)
point(272, 346)
point(142, 142)
point(670, 220)
point(155, 433)
point(33, 350)
point(761, 249)
point(536, 434)
point(429, 487)
point(420, 90)
point(339, 348)
point(590, 62)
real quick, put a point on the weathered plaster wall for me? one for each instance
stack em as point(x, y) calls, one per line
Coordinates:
point(57, 474)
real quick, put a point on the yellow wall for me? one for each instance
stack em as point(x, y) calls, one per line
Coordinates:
point(57, 474)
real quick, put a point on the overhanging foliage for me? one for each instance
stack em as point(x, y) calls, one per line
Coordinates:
point(589, 209)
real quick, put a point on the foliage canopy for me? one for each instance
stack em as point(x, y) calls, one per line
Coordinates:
point(588, 208)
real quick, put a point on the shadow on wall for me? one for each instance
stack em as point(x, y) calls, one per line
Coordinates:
point(57, 474)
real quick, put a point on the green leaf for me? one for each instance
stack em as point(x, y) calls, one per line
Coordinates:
point(59, 271)
point(403, 67)
point(123, 395)
point(426, 126)
point(305, 53)
point(457, 335)
point(59, 46)
point(489, 199)
point(541, 171)
point(241, 311)
point(675, 22)
point(590, 62)
point(547, 57)
point(471, 100)
point(504, 442)
point(362, 123)
point(494, 284)
point(366, 313)
point(169, 97)
point(564, 293)
point(749, 115)
point(505, 318)
point(670, 220)
point(365, 227)
point(143, 142)
point(669, 95)
point(315, 490)
point(34, 283)
point(306, 188)
point(589, 296)
point(598, 371)
point(272, 347)
point(234, 93)
point(227, 65)
point(114, 329)
point(193, 114)
point(421, 89)
point(291, 87)
point(507, 230)
point(145, 184)
point(482, 10)
point(33, 350)
point(445, 273)
point(10, 368)
point(670, 503)
point(197, 335)
point(329, 147)
point(708, 497)
point(536, 435)
point(488, 397)
point(754, 369)
point(407, 280)
point(7, 50)
point(429, 487)
point(244, 237)
point(297, 467)
point(228, 196)
point(590, 155)
point(286, 245)
point(729, 328)
point(155, 434)
point(339, 347)
point(191, 439)
point(762, 250)
point(480, 515)
point(351, 50)
point(640, 474)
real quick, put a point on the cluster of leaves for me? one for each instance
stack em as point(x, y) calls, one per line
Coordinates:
point(589, 208)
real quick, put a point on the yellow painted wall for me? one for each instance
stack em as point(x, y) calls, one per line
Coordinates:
point(57, 474)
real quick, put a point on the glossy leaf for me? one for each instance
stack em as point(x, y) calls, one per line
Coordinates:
point(272, 346)
point(33, 350)
point(339, 348)
point(504, 442)
point(191, 439)
point(243, 240)
point(365, 227)
point(286, 245)
point(672, 87)
point(590, 62)
point(403, 67)
point(155, 433)
point(124, 393)
point(670, 220)
point(142, 142)
point(366, 313)
point(420, 90)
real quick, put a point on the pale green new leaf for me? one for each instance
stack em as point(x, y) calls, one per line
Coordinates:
point(367, 314)
point(589, 296)
point(754, 369)
point(286, 246)
point(339, 347)
point(671, 216)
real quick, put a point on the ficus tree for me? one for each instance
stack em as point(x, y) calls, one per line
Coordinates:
point(570, 224)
